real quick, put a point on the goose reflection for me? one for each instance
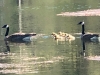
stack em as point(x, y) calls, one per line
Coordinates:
point(7, 48)
point(83, 48)
point(90, 57)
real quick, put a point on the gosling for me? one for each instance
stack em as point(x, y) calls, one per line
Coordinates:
point(61, 36)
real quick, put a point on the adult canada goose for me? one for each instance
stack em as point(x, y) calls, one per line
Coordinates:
point(17, 37)
point(89, 37)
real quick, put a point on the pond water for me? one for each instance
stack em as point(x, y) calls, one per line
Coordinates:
point(44, 56)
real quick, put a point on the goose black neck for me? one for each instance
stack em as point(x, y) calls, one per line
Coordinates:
point(7, 31)
point(83, 29)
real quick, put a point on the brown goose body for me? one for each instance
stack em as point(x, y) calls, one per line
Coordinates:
point(88, 37)
point(17, 37)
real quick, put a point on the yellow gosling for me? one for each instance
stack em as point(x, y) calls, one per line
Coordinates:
point(58, 38)
point(61, 36)
point(70, 37)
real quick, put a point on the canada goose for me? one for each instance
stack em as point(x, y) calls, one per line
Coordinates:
point(17, 37)
point(89, 37)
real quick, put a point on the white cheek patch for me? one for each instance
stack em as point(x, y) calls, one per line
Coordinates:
point(7, 26)
point(82, 22)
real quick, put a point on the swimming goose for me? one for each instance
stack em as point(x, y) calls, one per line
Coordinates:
point(17, 37)
point(90, 37)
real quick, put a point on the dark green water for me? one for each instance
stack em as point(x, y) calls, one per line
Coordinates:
point(43, 56)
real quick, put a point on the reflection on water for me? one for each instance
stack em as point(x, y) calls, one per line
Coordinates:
point(23, 64)
point(44, 55)
point(30, 58)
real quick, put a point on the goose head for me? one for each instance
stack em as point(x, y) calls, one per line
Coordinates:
point(5, 26)
point(83, 28)
point(7, 29)
point(81, 23)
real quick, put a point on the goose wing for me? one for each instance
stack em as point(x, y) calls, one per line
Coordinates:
point(87, 37)
point(17, 37)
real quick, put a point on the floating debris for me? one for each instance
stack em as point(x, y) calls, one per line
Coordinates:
point(90, 12)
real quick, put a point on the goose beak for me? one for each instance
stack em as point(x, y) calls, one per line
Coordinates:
point(3, 27)
point(79, 23)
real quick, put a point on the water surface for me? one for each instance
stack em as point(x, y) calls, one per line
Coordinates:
point(43, 55)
